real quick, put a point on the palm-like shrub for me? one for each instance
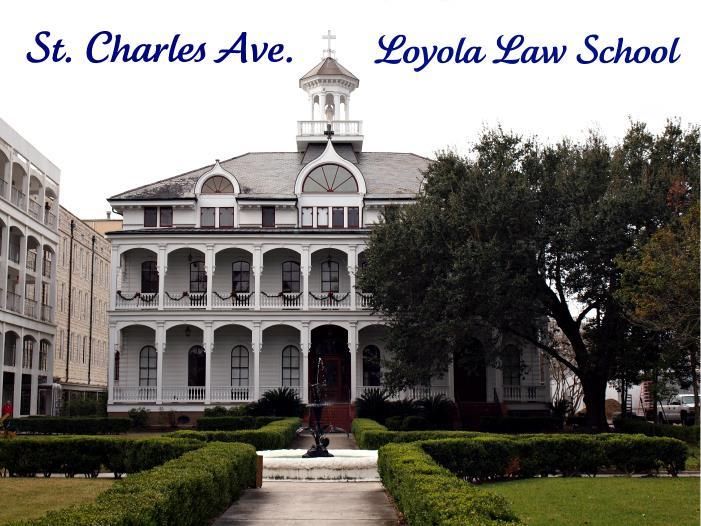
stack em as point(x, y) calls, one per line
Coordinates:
point(373, 404)
point(282, 401)
point(438, 410)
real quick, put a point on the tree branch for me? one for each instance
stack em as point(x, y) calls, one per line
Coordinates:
point(586, 311)
point(551, 351)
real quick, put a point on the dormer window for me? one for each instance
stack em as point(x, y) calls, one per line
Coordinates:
point(217, 185)
point(330, 178)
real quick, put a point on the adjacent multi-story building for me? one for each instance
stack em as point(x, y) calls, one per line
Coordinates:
point(236, 277)
point(29, 190)
point(82, 287)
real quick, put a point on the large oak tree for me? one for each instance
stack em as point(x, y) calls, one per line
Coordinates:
point(518, 233)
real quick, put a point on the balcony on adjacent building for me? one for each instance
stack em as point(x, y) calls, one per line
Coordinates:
point(14, 302)
point(17, 197)
point(34, 210)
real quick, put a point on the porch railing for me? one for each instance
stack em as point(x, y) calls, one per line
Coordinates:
point(363, 300)
point(14, 302)
point(329, 300)
point(281, 300)
point(185, 300)
point(411, 393)
point(134, 393)
point(136, 300)
point(315, 128)
point(34, 210)
point(47, 312)
point(231, 394)
point(49, 218)
point(232, 300)
point(17, 197)
point(30, 308)
point(525, 393)
point(184, 394)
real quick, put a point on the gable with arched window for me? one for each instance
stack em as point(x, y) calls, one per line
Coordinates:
point(290, 366)
point(330, 178)
point(148, 364)
point(239, 366)
point(217, 184)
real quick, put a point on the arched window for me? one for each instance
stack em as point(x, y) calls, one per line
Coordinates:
point(28, 353)
point(371, 366)
point(196, 366)
point(329, 276)
point(290, 366)
point(330, 178)
point(240, 276)
point(511, 365)
point(239, 366)
point(290, 276)
point(149, 277)
point(43, 355)
point(217, 185)
point(10, 355)
point(147, 366)
point(116, 366)
point(198, 277)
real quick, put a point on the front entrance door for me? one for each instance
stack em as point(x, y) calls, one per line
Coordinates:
point(470, 374)
point(330, 343)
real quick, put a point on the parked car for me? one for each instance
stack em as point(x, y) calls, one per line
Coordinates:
point(679, 409)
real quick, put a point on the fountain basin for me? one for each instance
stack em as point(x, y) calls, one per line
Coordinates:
point(346, 464)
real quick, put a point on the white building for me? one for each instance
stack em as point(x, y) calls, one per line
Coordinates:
point(28, 242)
point(229, 280)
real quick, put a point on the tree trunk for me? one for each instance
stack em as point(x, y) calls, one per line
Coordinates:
point(695, 384)
point(594, 387)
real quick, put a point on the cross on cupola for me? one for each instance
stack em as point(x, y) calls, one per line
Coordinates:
point(329, 131)
point(328, 52)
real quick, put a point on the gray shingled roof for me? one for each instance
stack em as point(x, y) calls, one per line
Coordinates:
point(328, 66)
point(273, 174)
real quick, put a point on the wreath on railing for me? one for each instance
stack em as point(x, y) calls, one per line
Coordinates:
point(236, 296)
point(332, 296)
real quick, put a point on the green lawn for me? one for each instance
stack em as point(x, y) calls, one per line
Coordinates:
point(28, 498)
point(618, 501)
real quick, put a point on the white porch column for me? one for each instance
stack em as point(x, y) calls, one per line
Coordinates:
point(209, 267)
point(160, 351)
point(34, 393)
point(304, 343)
point(256, 344)
point(352, 267)
point(115, 269)
point(257, 271)
point(112, 347)
point(208, 344)
point(498, 384)
point(161, 263)
point(353, 348)
point(19, 358)
point(306, 269)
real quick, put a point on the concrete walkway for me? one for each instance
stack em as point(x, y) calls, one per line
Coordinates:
point(313, 503)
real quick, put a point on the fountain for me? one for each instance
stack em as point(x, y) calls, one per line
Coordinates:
point(321, 441)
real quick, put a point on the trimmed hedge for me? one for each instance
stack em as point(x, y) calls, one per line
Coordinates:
point(688, 434)
point(520, 424)
point(492, 458)
point(186, 491)
point(427, 493)
point(71, 455)
point(278, 434)
point(233, 423)
point(371, 435)
point(58, 425)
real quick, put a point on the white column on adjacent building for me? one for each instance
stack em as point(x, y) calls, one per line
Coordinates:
point(112, 347)
point(306, 269)
point(161, 263)
point(353, 348)
point(209, 267)
point(352, 267)
point(257, 346)
point(19, 357)
point(304, 343)
point(208, 344)
point(115, 270)
point(160, 351)
point(22, 281)
point(257, 271)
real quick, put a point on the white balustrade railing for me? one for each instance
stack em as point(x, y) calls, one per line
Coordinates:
point(180, 300)
point(231, 393)
point(237, 300)
point(410, 393)
point(525, 393)
point(329, 301)
point(363, 300)
point(317, 128)
point(14, 302)
point(17, 197)
point(34, 210)
point(134, 393)
point(184, 393)
point(136, 300)
point(282, 300)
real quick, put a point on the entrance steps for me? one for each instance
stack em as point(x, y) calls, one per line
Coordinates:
point(335, 414)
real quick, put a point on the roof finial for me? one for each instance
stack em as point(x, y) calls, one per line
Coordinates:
point(328, 52)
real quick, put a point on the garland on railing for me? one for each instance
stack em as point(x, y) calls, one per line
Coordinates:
point(184, 295)
point(125, 298)
point(286, 295)
point(330, 296)
point(237, 296)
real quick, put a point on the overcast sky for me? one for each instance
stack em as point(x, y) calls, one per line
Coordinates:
point(112, 127)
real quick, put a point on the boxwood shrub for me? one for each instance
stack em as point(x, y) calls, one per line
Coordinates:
point(71, 455)
point(371, 435)
point(186, 491)
point(520, 424)
point(58, 425)
point(427, 493)
point(233, 423)
point(278, 434)
point(688, 434)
